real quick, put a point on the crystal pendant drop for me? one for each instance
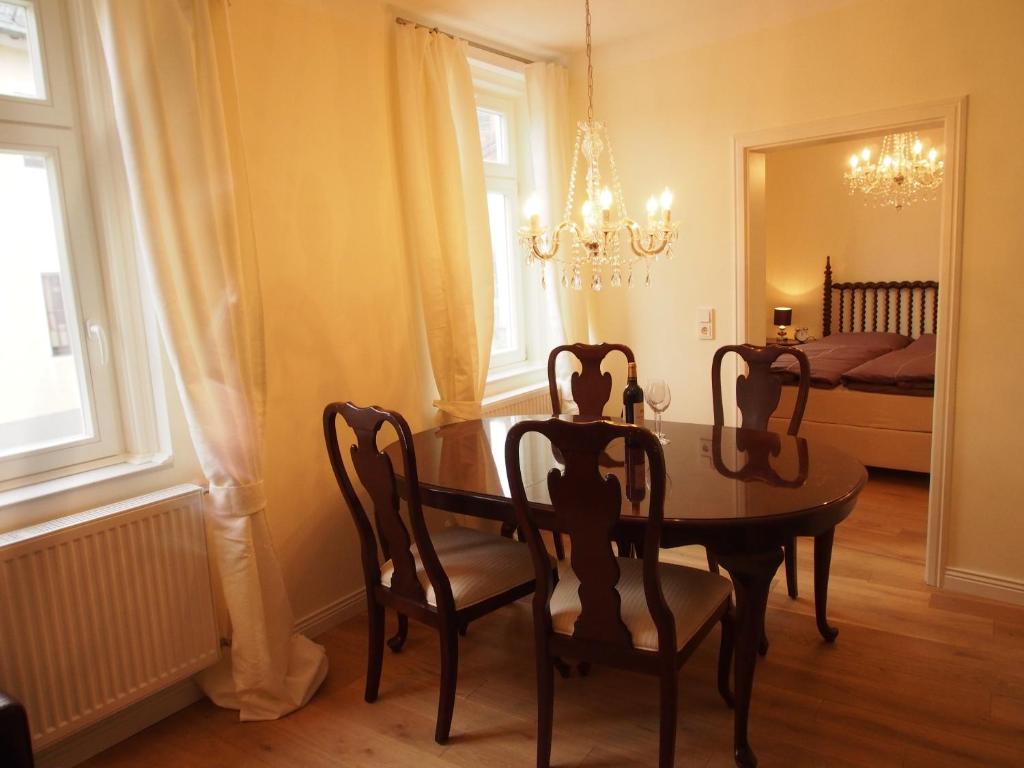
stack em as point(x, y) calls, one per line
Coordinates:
point(544, 278)
point(616, 278)
point(629, 278)
point(595, 281)
point(577, 279)
point(647, 279)
point(565, 279)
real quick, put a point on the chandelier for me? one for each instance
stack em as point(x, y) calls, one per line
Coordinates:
point(594, 243)
point(902, 175)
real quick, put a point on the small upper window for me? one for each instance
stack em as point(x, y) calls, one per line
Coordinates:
point(493, 136)
point(21, 65)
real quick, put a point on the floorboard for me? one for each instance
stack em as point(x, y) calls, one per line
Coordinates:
point(916, 678)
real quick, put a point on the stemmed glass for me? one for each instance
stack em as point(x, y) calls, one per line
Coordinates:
point(658, 397)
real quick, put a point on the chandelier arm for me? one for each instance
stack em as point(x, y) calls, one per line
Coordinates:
point(648, 251)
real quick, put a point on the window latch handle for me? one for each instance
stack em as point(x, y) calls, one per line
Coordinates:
point(97, 332)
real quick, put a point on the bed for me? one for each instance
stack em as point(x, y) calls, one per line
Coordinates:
point(872, 372)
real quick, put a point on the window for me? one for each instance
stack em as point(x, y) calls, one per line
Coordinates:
point(518, 353)
point(60, 410)
point(21, 68)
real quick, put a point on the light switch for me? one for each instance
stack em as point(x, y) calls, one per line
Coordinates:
point(706, 323)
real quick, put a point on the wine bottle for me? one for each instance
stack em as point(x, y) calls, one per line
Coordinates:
point(632, 398)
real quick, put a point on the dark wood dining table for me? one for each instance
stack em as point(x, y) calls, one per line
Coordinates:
point(742, 494)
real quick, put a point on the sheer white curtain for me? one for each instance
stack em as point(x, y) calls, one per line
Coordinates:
point(444, 211)
point(162, 73)
point(547, 98)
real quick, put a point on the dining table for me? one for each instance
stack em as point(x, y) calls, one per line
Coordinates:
point(742, 494)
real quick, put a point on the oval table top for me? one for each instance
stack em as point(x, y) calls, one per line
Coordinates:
point(715, 475)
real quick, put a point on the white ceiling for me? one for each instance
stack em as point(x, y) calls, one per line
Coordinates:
point(552, 27)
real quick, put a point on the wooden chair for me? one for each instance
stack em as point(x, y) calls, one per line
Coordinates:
point(591, 389)
point(445, 579)
point(633, 614)
point(757, 396)
point(15, 736)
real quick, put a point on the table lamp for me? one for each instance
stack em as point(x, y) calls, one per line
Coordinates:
point(782, 316)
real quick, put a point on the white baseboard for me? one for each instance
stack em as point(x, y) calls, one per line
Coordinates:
point(984, 585)
point(85, 744)
point(332, 614)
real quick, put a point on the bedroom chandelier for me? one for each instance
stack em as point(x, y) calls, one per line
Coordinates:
point(594, 241)
point(902, 175)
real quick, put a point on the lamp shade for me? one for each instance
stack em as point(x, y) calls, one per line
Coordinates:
point(782, 316)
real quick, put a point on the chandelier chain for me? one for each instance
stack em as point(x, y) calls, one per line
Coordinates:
point(590, 71)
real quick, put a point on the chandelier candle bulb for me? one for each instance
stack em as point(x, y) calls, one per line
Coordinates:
point(531, 210)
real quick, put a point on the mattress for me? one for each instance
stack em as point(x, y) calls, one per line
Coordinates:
point(906, 371)
point(843, 406)
point(834, 355)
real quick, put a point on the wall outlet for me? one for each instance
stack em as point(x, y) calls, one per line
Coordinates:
point(705, 323)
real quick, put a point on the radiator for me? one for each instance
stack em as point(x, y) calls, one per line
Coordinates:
point(530, 402)
point(101, 609)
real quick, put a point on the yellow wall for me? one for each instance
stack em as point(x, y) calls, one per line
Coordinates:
point(810, 214)
point(673, 114)
point(341, 321)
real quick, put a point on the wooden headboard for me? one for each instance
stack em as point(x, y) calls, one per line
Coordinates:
point(908, 307)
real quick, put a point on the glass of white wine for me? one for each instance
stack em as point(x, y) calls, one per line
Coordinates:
point(658, 396)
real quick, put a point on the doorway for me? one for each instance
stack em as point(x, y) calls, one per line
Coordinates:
point(771, 258)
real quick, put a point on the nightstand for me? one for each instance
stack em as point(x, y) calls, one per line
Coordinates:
point(773, 341)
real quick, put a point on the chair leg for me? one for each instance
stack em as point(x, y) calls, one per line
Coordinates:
point(559, 546)
point(375, 654)
point(545, 707)
point(669, 704)
point(725, 652)
point(449, 677)
point(790, 550)
point(712, 562)
point(395, 643)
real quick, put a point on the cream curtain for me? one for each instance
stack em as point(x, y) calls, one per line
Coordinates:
point(163, 71)
point(444, 211)
point(547, 98)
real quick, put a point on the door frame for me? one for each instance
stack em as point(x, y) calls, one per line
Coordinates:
point(951, 116)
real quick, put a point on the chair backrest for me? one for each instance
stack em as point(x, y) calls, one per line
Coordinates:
point(586, 505)
point(590, 388)
point(377, 476)
point(15, 736)
point(759, 390)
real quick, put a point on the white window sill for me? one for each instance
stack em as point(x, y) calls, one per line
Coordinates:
point(502, 381)
point(123, 468)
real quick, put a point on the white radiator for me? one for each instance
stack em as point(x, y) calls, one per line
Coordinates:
point(101, 609)
point(532, 401)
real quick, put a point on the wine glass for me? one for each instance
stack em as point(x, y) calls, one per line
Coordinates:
point(658, 397)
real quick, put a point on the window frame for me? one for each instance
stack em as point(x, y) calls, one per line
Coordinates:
point(500, 86)
point(112, 328)
point(502, 179)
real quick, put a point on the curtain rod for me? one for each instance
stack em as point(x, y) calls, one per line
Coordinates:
point(471, 43)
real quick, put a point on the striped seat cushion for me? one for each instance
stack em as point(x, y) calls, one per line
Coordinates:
point(692, 595)
point(479, 565)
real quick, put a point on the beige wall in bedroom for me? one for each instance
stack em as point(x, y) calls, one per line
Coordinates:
point(341, 320)
point(673, 115)
point(809, 213)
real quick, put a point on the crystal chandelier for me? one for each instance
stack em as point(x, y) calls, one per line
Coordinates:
point(902, 175)
point(594, 243)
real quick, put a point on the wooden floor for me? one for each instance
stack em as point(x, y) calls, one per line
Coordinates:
point(916, 678)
